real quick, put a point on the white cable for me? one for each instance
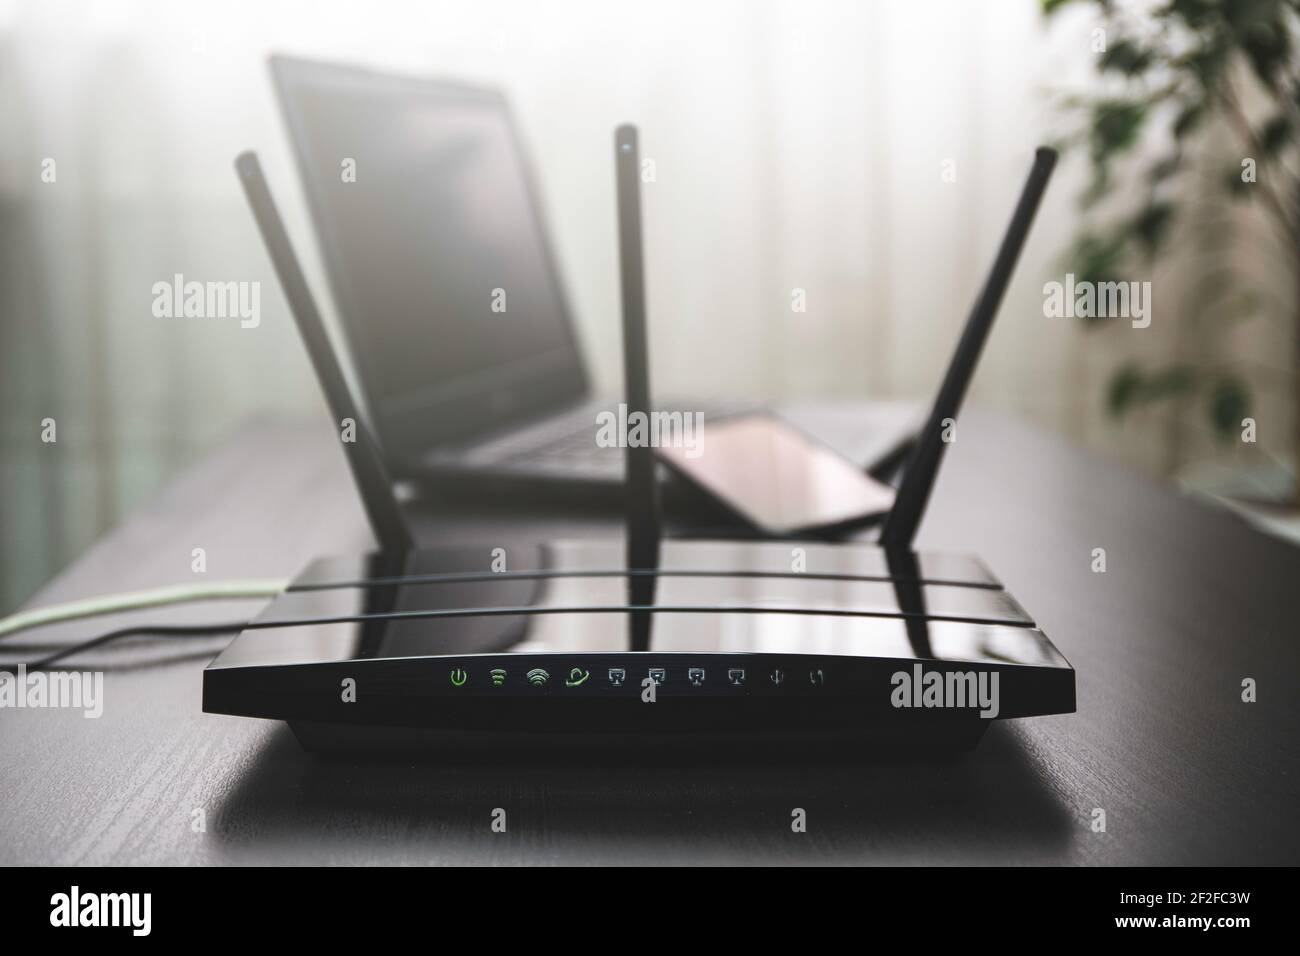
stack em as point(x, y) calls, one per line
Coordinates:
point(136, 600)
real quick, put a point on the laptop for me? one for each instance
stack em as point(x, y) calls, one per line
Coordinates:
point(447, 286)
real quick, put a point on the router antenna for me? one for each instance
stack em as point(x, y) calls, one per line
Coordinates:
point(642, 488)
point(364, 457)
point(923, 464)
point(641, 485)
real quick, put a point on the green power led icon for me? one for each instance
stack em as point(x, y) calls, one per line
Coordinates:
point(458, 676)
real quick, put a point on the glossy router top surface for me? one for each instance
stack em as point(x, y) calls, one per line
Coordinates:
point(728, 558)
point(572, 597)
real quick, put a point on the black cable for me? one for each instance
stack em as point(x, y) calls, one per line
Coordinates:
point(154, 630)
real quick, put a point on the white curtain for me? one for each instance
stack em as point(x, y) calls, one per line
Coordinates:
point(797, 146)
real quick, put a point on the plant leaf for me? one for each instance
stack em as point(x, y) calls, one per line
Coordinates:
point(1125, 56)
point(1051, 6)
point(1229, 403)
point(1276, 134)
point(1096, 257)
point(1122, 391)
point(1195, 13)
point(1151, 225)
point(1131, 387)
point(1115, 126)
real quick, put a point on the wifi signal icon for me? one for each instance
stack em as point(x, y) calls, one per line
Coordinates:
point(538, 677)
point(498, 677)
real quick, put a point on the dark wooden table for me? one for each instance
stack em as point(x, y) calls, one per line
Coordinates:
point(1192, 602)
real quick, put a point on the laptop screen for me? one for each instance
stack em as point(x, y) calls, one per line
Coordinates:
point(435, 249)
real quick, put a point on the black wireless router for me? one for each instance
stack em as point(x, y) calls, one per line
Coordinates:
point(673, 644)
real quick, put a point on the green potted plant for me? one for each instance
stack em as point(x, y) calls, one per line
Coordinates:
point(1195, 108)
